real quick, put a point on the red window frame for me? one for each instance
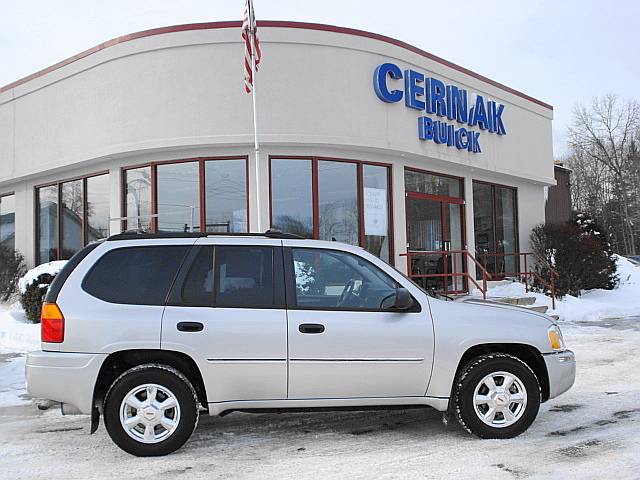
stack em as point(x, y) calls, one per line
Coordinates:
point(201, 187)
point(360, 194)
point(59, 233)
point(494, 216)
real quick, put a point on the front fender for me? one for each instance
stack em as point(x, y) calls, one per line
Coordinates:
point(459, 327)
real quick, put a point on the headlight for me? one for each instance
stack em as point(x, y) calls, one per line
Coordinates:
point(555, 338)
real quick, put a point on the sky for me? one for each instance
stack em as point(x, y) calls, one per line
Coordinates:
point(561, 52)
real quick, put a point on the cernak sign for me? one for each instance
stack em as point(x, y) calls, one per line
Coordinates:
point(430, 95)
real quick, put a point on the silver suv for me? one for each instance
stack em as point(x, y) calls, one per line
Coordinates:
point(151, 330)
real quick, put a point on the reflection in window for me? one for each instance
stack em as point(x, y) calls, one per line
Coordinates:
point(291, 196)
point(97, 208)
point(338, 201)
point(178, 197)
point(431, 184)
point(8, 221)
point(72, 201)
point(47, 198)
point(495, 227)
point(226, 195)
point(138, 194)
point(376, 210)
point(244, 276)
point(333, 279)
point(506, 229)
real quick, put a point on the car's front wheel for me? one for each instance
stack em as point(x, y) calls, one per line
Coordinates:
point(496, 396)
point(151, 410)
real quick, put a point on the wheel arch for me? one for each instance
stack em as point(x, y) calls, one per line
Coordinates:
point(527, 353)
point(119, 362)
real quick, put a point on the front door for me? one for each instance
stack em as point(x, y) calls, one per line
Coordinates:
point(343, 342)
point(435, 242)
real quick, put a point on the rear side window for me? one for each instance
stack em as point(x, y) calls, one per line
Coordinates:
point(135, 275)
point(244, 276)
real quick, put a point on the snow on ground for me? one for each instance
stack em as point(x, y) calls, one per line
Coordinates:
point(17, 336)
point(593, 305)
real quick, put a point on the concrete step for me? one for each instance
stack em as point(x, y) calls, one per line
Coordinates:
point(539, 308)
point(521, 301)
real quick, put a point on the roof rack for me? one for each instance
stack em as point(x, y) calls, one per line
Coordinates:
point(140, 235)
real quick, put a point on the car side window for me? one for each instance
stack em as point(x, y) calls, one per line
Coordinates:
point(244, 276)
point(135, 275)
point(197, 289)
point(331, 279)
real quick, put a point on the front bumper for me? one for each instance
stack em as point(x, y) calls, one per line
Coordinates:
point(561, 367)
point(64, 377)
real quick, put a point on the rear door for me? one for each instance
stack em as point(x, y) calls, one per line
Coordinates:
point(226, 310)
point(343, 341)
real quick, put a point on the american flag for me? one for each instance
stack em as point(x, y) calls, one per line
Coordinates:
point(249, 30)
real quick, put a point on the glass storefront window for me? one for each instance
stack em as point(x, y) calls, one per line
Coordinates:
point(83, 206)
point(226, 195)
point(8, 221)
point(138, 195)
point(376, 210)
point(47, 199)
point(97, 208)
point(178, 197)
point(338, 201)
point(71, 221)
point(506, 230)
point(352, 202)
point(495, 227)
point(422, 182)
point(292, 197)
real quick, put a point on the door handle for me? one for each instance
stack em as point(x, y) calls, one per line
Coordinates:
point(310, 328)
point(190, 326)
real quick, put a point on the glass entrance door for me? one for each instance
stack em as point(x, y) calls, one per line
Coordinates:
point(435, 242)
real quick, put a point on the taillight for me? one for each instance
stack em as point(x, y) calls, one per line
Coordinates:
point(51, 324)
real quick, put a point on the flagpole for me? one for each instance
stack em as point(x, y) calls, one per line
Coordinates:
point(255, 115)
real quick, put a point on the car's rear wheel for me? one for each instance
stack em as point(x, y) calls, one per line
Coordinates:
point(496, 396)
point(151, 410)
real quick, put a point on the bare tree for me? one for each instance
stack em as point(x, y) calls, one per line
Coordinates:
point(604, 135)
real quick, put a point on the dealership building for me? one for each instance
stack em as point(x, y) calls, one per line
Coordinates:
point(363, 139)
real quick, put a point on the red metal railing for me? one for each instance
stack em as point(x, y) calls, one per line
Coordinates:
point(449, 258)
point(525, 274)
point(445, 274)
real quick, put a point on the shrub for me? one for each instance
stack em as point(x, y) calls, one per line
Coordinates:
point(12, 267)
point(33, 295)
point(579, 251)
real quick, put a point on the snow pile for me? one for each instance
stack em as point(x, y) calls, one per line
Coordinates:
point(592, 305)
point(52, 268)
point(16, 333)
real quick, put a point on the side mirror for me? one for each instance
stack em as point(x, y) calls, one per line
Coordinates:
point(402, 300)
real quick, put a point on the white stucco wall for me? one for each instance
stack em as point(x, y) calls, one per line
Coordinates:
point(180, 95)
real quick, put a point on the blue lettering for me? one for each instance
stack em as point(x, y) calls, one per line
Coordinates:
point(450, 136)
point(412, 89)
point(425, 128)
point(437, 93)
point(480, 116)
point(380, 82)
point(462, 139)
point(497, 120)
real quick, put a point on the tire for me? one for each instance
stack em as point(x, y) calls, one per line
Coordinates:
point(154, 429)
point(522, 398)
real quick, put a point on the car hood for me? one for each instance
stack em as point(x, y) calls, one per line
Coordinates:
point(514, 308)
